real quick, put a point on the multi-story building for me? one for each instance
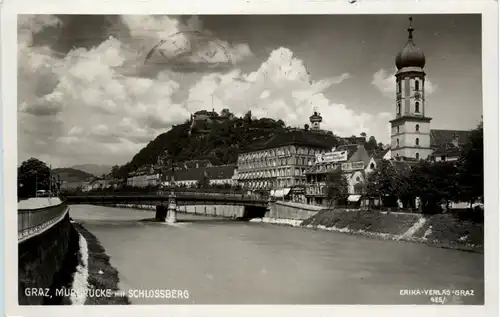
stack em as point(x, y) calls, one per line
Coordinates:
point(280, 163)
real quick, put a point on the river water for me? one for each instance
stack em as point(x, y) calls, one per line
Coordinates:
point(220, 261)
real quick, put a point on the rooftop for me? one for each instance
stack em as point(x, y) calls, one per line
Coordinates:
point(295, 137)
point(442, 137)
point(196, 174)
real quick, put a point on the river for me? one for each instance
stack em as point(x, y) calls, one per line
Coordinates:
point(220, 261)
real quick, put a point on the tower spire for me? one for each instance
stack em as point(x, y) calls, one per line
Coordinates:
point(410, 30)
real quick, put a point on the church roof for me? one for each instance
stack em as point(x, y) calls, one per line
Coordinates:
point(442, 137)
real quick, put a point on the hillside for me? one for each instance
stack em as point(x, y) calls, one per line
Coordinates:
point(220, 145)
point(71, 175)
point(220, 142)
point(94, 169)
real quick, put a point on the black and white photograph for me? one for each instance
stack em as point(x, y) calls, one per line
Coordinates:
point(251, 159)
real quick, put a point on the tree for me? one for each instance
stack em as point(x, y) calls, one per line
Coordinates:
point(435, 183)
point(363, 134)
point(115, 172)
point(387, 181)
point(248, 116)
point(226, 113)
point(371, 144)
point(336, 187)
point(32, 175)
point(306, 127)
point(471, 167)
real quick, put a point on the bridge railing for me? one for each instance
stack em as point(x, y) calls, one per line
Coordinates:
point(166, 192)
point(213, 194)
point(30, 221)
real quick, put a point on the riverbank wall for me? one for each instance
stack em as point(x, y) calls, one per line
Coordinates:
point(291, 210)
point(441, 230)
point(225, 211)
point(47, 252)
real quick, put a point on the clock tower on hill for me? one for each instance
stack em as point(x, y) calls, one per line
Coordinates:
point(410, 129)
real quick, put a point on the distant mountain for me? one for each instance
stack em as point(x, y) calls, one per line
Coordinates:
point(94, 169)
point(71, 175)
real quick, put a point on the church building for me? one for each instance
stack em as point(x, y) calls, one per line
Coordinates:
point(412, 138)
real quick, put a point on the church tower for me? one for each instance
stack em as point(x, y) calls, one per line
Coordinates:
point(410, 129)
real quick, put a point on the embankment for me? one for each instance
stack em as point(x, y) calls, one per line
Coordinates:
point(102, 277)
point(47, 262)
point(442, 230)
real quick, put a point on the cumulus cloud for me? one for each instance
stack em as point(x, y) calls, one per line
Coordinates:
point(282, 88)
point(93, 101)
point(386, 83)
point(95, 105)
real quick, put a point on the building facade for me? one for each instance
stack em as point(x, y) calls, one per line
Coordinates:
point(144, 177)
point(222, 175)
point(281, 162)
point(351, 160)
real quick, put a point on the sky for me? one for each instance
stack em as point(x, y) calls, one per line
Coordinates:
point(97, 89)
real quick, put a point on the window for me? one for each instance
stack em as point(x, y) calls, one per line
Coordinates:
point(417, 141)
point(417, 128)
point(397, 129)
point(417, 156)
point(399, 108)
point(417, 85)
point(399, 87)
point(443, 158)
point(417, 106)
point(397, 142)
point(372, 166)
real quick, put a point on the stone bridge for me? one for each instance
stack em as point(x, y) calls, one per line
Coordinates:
point(166, 202)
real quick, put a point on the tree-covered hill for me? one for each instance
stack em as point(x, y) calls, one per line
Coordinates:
point(220, 145)
point(219, 141)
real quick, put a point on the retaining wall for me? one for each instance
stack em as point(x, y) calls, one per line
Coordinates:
point(44, 262)
point(294, 211)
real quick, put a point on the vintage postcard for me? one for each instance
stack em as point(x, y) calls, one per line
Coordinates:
point(325, 159)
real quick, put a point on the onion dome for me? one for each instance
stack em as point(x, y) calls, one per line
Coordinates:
point(411, 55)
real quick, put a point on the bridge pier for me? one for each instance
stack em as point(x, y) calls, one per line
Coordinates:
point(172, 208)
point(161, 213)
